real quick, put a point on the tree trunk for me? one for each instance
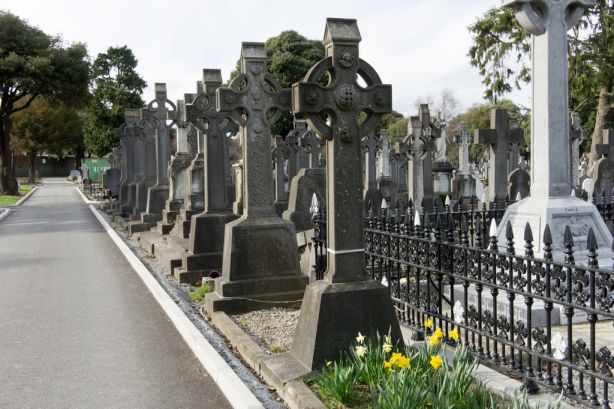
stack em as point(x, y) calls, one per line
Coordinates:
point(79, 154)
point(603, 108)
point(8, 183)
point(32, 167)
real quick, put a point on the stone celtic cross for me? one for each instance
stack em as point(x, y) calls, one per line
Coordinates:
point(213, 126)
point(463, 139)
point(344, 100)
point(255, 100)
point(499, 137)
point(312, 145)
point(158, 113)
point(280, 154)
point(549, 21)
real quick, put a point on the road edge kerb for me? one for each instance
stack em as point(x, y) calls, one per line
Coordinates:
point(4, 212)
point(26, 197)
point(237, 393)
point(85, 199)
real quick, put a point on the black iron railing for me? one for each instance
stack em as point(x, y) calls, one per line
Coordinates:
point(514, 311)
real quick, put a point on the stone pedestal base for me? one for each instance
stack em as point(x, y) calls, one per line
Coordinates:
point(374, 198)
point(557, 213)
point(169, 214)
point(333, 314)
point(281, 206)
point(156, 199)
point(384, 185)
point(464, 186)
point(123, 192)
point(140, 195)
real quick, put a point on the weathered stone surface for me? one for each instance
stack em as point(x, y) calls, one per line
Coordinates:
point(345, 302)
point(519, 181)
point(464, 184)
point(604, 179)
point(302, 188)
point(498, 138)
point(550, 202)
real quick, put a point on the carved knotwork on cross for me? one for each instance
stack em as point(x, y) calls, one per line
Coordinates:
point(342, 101)
point(255, 100)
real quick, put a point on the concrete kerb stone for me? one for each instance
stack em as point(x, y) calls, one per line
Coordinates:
point(85, 199)
point(22, 200)
point(237, 393)
point(4, 213)
point(295, 393)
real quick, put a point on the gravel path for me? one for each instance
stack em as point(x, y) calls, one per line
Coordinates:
point(273, 329)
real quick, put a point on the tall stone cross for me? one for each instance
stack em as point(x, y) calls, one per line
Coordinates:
point(345, 294)
point(498, 138)
point(420, 146)
point(312, 145)
point(213, 126)
point(383, 156)
point(254, 100)
point(346, 99)
point(158, 112)
point(296, 153)
point(549, 21)
point(463, 139)
point(370, 145)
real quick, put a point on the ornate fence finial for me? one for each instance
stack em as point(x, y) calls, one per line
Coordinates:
point(314, 209)
point(528, 238)
point(591, 246)
point(568, 244)
point(509, 235)
point(493, 228)
point(518, 197)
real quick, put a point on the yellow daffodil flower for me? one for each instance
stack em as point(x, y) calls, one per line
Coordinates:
point(434, 339)
point(428, 323)
point(360, 350)
point(438, 332)
point(360, 338)
point(436, 361)
point(454, 334)
point(388, 365)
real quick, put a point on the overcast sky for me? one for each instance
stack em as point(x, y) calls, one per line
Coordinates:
point(418, 46)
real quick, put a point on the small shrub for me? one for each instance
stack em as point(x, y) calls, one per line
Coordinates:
point(276, 347)
point(199, 294)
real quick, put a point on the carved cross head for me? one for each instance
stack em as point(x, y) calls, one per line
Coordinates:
point(342, 109)
point(162, 108)
point(254, 96)
point(536, 16)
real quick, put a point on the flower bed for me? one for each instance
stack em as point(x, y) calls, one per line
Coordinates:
point(375, 374)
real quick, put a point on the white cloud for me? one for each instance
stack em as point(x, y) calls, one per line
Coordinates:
point(418, 46)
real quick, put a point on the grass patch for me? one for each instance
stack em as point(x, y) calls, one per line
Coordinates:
point(199, 294)
point(277, 347)
point(9, 200)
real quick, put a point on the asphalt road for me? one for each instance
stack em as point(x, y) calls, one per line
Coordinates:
point(78, 329)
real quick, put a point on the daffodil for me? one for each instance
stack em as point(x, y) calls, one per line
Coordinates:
point(388, 365)
point(438, 332)
point(361, 350)
point(396, 357)
point(360, 338)
point(428, 323)
point(403, 362)
point(387, 347)
point(436, 361)
point(329, 363)
point(434, 339)
point(454, 334)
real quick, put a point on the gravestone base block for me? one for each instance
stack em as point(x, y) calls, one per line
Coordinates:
point(156, 199)
point(332, 315)
point(464, 186)
point(207, 241)
point(256, 294)
point(385, 186)
point(302, 188)
point(557, 212)
point(170, 213)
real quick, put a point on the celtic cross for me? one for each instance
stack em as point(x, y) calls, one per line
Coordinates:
point(343, 100)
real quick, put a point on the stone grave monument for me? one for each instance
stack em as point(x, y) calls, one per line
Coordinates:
point(464, 185)
point(550, 202)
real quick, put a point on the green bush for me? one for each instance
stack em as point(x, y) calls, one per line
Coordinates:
point(199, 294)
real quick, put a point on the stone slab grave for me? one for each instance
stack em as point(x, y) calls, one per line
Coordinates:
point(498, 138)
point(260, 257)
point(464, 184)
point(551, 202)
point(206, 238)
point(345, 302)
point(157, 114)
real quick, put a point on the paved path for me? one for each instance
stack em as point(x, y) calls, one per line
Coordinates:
point(78, 329)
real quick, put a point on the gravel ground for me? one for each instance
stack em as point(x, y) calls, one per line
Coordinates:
point(273, 328)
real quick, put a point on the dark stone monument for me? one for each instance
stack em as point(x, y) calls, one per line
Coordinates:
point(260, 260)
point(370, 146)
point(498, 138)
point(345, 302)
point(519, 183)
point(279, 155)
point(206, 239)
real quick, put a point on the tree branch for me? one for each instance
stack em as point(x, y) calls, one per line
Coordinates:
point(26, 105)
